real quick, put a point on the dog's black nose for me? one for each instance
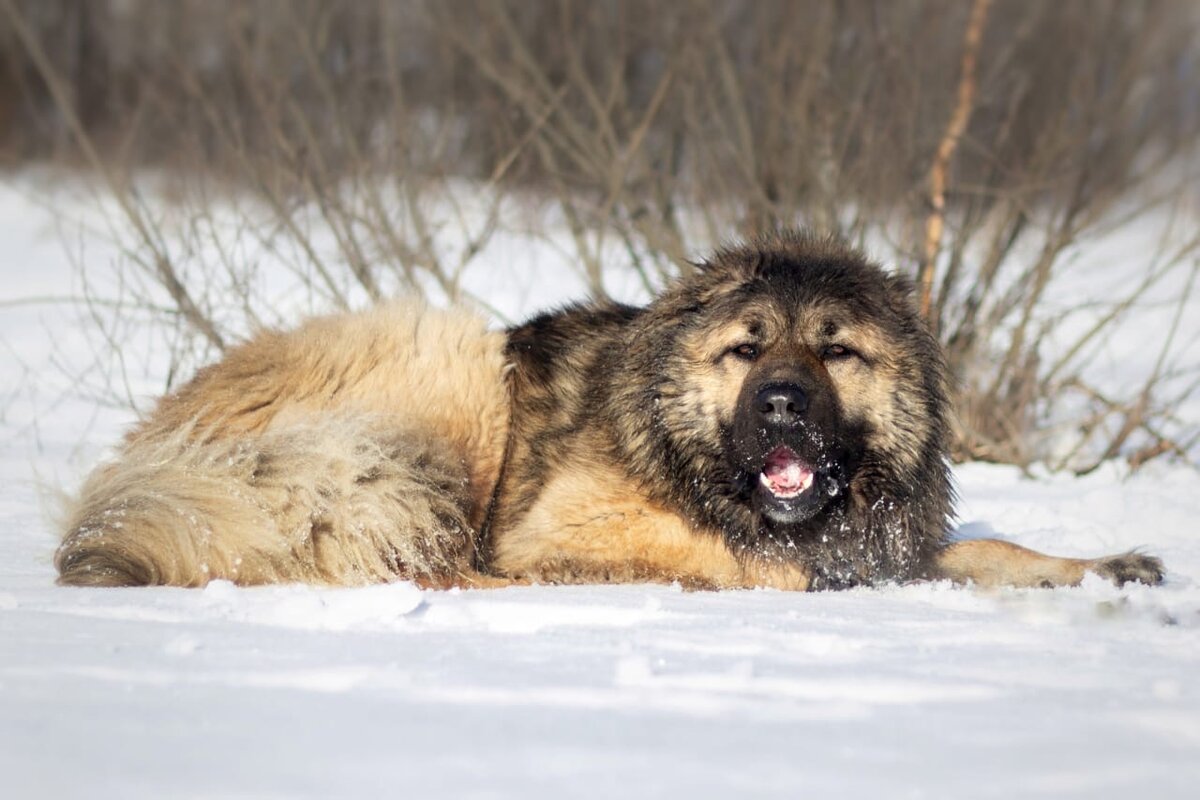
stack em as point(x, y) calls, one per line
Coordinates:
point(781, 403)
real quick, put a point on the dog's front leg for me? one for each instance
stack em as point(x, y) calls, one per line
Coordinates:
point(991, 562)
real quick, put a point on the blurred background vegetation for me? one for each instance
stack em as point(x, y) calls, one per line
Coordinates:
point(973, 144)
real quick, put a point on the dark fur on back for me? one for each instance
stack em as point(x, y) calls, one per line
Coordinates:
point(612, 377)
point(554, 358)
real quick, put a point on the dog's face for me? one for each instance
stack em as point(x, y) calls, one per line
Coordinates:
point(794, 431)
point(805, 374)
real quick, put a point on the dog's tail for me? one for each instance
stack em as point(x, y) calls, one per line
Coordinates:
point(339, 503)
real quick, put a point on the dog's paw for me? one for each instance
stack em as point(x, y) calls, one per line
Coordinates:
point(1129, 567)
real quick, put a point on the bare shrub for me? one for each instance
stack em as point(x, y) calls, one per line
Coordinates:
point(982, 146)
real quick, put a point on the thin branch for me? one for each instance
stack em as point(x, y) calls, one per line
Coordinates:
point(160, 262)
point(945, 152)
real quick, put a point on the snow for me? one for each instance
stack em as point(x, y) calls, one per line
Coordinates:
point(642, 691)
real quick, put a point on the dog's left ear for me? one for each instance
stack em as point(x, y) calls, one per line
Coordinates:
point(900, 294)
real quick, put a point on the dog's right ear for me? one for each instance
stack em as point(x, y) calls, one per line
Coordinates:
point(734, 262)
point(722, 272)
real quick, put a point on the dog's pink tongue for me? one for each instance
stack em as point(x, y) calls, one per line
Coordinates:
point(785, 473)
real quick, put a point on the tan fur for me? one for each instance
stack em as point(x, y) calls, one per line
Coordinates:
point(866, 394)
point(714, 378)
point(344, 452)
point(418, 369)
point(335, 503)
point(992, 562)
point(869, 394)
point(592, 525)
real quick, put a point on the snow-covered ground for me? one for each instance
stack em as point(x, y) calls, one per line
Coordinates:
point(636, 691)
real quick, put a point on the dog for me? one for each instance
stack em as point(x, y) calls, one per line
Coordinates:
point(778, 417)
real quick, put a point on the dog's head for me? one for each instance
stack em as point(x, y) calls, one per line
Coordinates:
point(803, 374)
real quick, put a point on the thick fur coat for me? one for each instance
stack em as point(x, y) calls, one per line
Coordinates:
point(780, 417)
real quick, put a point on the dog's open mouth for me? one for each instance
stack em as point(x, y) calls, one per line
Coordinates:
point(785, 475)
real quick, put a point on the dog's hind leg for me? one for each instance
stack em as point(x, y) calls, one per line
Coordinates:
point(338, 502)
point(991, 562)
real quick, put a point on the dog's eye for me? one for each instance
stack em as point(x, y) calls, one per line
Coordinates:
point(835, 352)
point(749, 352)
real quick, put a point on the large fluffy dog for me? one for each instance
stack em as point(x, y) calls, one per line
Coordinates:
point(778, 418)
